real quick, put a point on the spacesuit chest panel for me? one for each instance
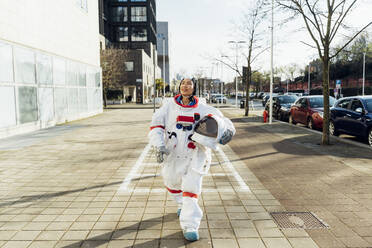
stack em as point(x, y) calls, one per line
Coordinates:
point(181, 123)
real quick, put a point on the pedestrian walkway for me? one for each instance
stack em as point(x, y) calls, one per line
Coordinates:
point(95, 183)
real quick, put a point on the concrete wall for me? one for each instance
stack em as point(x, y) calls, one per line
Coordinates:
point(49, 63)
point(61, 28)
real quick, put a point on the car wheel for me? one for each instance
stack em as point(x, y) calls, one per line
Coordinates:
point(370, 137)
point(310, 123)
point(291, 121)
point(332, 129)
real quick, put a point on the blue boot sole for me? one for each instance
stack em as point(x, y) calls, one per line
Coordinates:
point(191, 236)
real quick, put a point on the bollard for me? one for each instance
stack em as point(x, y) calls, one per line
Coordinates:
point(265, 115)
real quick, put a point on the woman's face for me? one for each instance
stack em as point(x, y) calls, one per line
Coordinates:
point(187, 87)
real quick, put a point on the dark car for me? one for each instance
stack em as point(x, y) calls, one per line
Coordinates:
point(266, 97)
point(308, 110)
point(353, 116)
point(281, 106)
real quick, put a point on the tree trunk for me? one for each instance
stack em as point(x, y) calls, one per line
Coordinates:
point(247, 98)
point(105, 98)
point(325, 136)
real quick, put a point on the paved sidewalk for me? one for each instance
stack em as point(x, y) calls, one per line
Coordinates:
point(334, 182)
point(95, 183)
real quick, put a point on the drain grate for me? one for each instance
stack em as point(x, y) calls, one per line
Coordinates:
point(304, 220)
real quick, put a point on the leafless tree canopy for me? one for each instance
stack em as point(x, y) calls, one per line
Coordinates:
point(324, 20)
point(113, 70)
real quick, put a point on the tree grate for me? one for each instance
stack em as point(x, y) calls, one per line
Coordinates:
point(303, 220)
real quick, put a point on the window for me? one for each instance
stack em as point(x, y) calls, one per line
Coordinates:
point(139, 34)
point(368, 103)
point(138, 14)
point(122, 34)
point(24, 66)
point(287, 99)
point(83, 4)
point(129, 66)
point(44, 69)
point(356, 104)
point(119, 14)
point(317, 102)
point(6, 63)
point(27, 104)
point(344, 103)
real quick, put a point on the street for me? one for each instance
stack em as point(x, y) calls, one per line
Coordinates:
point(95, 183)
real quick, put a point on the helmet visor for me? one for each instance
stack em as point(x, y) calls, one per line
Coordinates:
point(207, 127)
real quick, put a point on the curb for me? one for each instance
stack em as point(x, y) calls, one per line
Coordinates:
point(331, 137)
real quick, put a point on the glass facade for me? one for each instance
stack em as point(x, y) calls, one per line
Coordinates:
point(139, 34)
point(122, 34)
point(36, 87)
point(7, 106)
point(138, 14)
point(119, 14)
point(27, 104)
point(24, 66)
point(129, 66)
point(44, 69)
point(6, 63)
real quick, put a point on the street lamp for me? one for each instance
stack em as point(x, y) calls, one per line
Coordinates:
point(364, 71)
point(308, 79)
point(164, 65)
point(271, 64)
point(237, 68)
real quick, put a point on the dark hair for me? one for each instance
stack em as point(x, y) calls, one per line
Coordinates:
point(193, 80)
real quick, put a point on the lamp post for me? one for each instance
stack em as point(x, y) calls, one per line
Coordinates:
point(271, 64)
point(364, 71)
point(222, 95)
point(308, 80)
point(164, 65)
point(237, 68)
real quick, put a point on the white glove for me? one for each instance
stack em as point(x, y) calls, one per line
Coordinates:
point(160, 152)
point(226, 137)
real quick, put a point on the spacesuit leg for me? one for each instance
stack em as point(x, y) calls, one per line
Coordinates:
point(172, 176)
point(191, 213)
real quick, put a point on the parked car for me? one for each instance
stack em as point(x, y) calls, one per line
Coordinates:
point(220, 99)
point(260, 94)
point(281, 106)
point(214, 96)
point(266, 98)
point(308, 110)
point(353, 116)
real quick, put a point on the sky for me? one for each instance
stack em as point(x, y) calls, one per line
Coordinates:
point(199, 30)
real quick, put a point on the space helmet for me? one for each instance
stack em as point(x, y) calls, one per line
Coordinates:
point(206, 131)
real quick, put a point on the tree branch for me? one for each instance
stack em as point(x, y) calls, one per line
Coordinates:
point(347, 43)
point(340, 20)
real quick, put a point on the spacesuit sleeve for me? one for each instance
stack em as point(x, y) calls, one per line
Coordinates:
point(157, 128)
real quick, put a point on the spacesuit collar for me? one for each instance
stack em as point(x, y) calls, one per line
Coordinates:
point(187, 106)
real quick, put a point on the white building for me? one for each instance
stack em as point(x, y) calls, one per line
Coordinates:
point(49, 63)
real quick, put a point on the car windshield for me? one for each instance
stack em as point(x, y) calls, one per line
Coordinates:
point(317, 102)
point(287, 99)
point(369, 105)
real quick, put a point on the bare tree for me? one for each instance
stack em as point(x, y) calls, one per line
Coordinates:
point(324, 20)
point(250, 30)
point(113, 70)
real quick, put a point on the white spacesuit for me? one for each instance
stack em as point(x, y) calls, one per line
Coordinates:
point(188, 153)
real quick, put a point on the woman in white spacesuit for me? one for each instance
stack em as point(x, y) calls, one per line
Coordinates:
point(182, 132)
